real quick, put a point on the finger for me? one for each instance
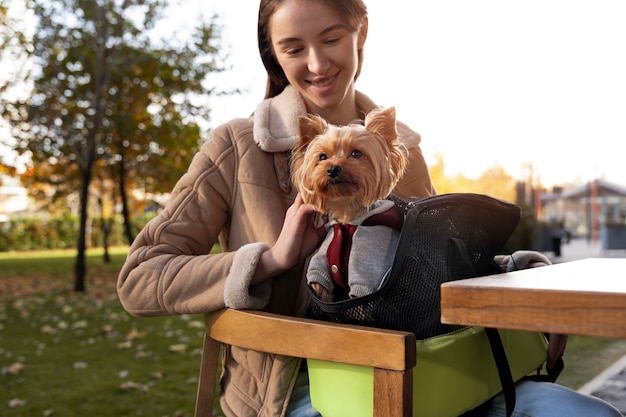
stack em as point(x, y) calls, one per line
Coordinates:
point(305, 209)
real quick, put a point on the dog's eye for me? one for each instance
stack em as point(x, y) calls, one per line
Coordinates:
point(356, 154)
point(323, 157)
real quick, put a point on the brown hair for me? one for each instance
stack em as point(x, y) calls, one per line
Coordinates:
point(353, 11)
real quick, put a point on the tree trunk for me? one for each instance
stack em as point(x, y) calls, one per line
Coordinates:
point(100, 83)
point(106, 233)
point(80, 269)
point(128, 232)
point(105, 228)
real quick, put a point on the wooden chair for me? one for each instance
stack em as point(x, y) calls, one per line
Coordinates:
point(391, 353)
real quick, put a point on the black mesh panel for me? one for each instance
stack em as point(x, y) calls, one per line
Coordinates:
point(444, 238)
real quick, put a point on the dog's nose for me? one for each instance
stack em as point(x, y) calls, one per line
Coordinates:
point(333, 171)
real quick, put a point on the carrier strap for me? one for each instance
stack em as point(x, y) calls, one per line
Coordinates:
point(499, 354)
point(504, 371)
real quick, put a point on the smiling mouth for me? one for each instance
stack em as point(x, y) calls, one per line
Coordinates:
point(323, 83)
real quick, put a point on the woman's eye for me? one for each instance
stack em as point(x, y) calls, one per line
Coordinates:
point(293, 51)
point(356, 154)
point(323, 157)
point(333, 40)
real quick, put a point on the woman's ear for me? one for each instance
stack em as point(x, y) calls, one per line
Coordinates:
point(363, 32)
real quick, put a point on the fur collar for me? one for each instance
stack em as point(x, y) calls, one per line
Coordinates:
point(276, 121)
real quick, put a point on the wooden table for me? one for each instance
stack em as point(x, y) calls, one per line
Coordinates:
point(585, 297)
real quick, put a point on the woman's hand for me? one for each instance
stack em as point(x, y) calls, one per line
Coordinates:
point(298, 238)
point(556, 348)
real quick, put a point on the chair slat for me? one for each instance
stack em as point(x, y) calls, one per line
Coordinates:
point(305, 338)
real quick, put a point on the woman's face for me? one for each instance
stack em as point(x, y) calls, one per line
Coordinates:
point(317, 50)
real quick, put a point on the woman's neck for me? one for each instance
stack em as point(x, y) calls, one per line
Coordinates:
point(343, 114)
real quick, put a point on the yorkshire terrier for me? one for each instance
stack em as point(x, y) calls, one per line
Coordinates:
point(346, 173)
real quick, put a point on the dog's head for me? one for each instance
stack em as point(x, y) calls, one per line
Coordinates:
point(342, 170)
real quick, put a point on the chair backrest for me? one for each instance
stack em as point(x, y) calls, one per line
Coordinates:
point(391, 353)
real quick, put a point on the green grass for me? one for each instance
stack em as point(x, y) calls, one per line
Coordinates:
point(587, 356)
point(67, 354)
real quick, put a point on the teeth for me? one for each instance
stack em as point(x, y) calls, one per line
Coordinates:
point(323, 83)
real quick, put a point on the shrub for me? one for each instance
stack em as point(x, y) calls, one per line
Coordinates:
point(61, 232)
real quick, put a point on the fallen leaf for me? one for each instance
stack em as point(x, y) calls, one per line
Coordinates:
point(82, 324)
point(13, 369)
point(125, 345)
point(196, 324)
point(179, 348)
point(16, 402)
point(134, 334)
point(130, 385)
point(47, 329)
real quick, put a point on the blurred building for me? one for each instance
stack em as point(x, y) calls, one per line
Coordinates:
point(584, 209)
point(13, 197)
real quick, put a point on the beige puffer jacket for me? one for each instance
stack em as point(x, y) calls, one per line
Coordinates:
point(237, 190)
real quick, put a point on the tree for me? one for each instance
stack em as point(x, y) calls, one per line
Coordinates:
point(15, 50)
point(494, 181)
point(14, 45)
point(110, 95)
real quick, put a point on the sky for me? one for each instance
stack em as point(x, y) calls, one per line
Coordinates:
point(538, 83)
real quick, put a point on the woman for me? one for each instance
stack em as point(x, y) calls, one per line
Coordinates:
point(238, 191)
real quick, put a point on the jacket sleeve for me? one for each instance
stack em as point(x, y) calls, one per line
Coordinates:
point(169, 269)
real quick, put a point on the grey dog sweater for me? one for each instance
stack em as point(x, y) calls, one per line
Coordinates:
point(370, 257)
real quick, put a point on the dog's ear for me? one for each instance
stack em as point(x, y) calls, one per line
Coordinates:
point(309, 127)
point(383, 123)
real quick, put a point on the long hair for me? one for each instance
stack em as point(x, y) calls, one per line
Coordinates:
point(353, 11)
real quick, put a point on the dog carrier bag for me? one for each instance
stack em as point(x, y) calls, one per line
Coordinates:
point(444, 237)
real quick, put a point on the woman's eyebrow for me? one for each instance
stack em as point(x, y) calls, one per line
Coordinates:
point(323, 32)
point(333, 27)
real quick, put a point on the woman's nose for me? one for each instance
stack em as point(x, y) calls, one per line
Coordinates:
point(318, 62)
